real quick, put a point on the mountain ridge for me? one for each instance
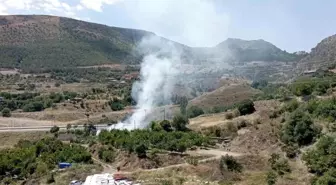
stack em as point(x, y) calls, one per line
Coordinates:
point(42, 42)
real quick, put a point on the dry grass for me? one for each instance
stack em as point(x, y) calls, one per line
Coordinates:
point(9, 139)
point(224, 96)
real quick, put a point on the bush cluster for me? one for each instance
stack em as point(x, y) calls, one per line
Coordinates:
point(31, 102)
point(38, 158)
point(299, 129)
point(321, 160)
point(139, 141)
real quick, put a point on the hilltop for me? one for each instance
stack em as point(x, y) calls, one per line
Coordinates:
point(323, 55)
point(35, 43)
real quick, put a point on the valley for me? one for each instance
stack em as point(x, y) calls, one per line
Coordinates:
point(241, 112)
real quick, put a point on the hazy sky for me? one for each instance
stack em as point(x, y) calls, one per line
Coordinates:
point(291, 25)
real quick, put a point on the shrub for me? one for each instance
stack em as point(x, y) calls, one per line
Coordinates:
point(141, 150)
point(327, 178)
point(246, 107)
point(6, 112)
point(155, 126)
point(180, 122)
point(33, 107)
point(194, 111)
point(116, 104)
point(54, 129)
point(229, 115)
point(229, 163)
point(299, 129)
point(279, 165)
point(107, 154)
point(291, 150)
point(322, 157)
point(242, 123)
point(166, 125)
point(271, 178)
point(291, 106)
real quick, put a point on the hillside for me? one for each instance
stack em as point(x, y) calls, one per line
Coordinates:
point(35, 43)
point(254, 50)
point(31, 42)
point(323, 55)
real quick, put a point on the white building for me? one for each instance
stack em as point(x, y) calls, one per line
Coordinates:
point(106, 179)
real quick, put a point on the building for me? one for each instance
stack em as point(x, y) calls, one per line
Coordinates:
point(107, 179)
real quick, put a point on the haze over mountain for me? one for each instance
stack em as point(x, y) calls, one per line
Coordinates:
point(32, 42)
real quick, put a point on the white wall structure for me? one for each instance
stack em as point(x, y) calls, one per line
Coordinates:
point(105, 179)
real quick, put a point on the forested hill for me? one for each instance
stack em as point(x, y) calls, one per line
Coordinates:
point(39, 42)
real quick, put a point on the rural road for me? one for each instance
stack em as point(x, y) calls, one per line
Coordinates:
point(43, 128)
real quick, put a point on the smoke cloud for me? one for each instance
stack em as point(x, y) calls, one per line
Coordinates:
point(194, 22)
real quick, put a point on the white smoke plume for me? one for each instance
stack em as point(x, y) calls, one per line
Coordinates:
point(195, 20)
point(157, 74)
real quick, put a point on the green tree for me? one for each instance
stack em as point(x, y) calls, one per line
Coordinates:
point(299, 129)
point(194, 111)
point(166, 125)
point(155, 126)
point(246, 107)
point(183, 105)
point(180, 122)
point(181, 147)
point(54, 129)
point(328, 178)
point(322, 157)
point(6, 112)
point(141, 150)
point(116, 104)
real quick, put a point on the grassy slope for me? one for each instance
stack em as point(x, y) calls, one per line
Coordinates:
point(38, 42)
point(32, 42)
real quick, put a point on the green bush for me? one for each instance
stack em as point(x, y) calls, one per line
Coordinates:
point(180, 122)
point(107, 154)
point(36, 158)
point(33, 107)
point(170, 141)
point(116, 104)
point(281, 166)
point(299, 129)
point(154, 126)
point(54, 129)
point(327, 178)
point(322, 157)
point(6, 112)
point(246, 107)
point(194, 111)
point(291, 105)
point(271, 178)
point(228, 163)
point(141, 150)
point(166, 125)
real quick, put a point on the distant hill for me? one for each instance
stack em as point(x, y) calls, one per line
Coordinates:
point(35, 43)
point(32, 42)
point(255, 50)
point(323, 55)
